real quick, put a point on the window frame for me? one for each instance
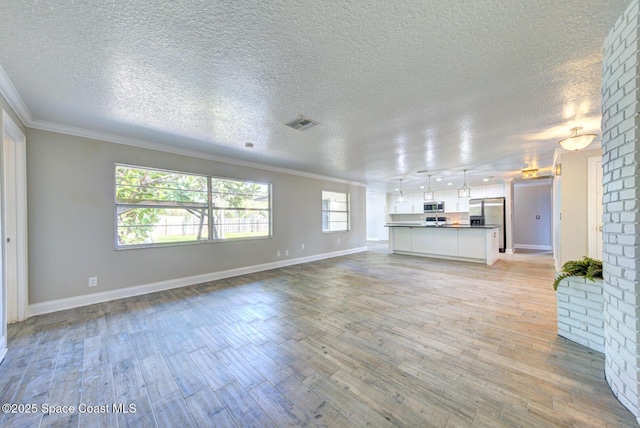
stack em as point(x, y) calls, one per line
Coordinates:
point(208, 207)
point(347, 211)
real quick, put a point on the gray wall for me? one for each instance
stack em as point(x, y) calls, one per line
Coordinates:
point(72, 225)
point(532, 199)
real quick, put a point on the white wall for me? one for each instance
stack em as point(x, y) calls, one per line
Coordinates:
point(621, 198)
point(72, 219)
point(376, 216)
point(573, 223)
point(532, 215)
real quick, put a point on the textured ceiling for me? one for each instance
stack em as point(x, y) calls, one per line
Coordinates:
point(397, 87)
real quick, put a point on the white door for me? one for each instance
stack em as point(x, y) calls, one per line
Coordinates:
point(595, 209)
point(13, 233)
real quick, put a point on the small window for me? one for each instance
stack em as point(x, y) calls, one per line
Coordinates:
point(335, 211)
point(155, 207)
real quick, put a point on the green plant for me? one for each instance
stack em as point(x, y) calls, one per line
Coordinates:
point(587, 267)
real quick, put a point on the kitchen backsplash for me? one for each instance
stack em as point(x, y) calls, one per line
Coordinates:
point(452, 218)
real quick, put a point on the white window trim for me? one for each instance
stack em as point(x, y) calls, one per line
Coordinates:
point(210, 211)
point(347, 211)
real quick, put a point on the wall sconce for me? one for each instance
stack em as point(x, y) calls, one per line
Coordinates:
point(529, 173)
point(558, 169)
point(575, 141)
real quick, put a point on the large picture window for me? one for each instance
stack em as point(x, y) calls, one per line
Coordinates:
point(155, 207)
point(335, 211)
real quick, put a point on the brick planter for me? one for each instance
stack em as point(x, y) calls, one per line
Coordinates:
point(580, 311)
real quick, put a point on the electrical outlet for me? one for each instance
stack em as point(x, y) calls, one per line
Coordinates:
point(303, 246)
point(286, 252)
point(93, 281)
point(278, 254)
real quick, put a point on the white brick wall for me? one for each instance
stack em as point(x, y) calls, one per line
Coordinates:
point(580, 312)
point(620, 156)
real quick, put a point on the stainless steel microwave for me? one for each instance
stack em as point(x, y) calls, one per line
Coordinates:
point(434, 207)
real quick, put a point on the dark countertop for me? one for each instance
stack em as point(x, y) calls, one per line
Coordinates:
point(445, 226)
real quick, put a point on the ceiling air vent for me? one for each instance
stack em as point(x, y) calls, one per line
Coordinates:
point(301, 123)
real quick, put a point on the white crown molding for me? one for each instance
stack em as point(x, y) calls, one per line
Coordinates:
point(134, 142)
point(15, 101)
point(91, 299)
point(12, 96)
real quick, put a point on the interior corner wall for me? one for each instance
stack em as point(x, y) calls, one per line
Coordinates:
point(621, 199)
point(72, 220)
point(573, 216)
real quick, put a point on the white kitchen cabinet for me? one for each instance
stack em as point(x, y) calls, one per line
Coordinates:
point(463, 205)
point(453, 204)
point(451, 200)
point(472, 244)
point(495, 190)
point(417, 202)
point(445, 239)
point(439, 195)
point(421, 241)
point(402, 238)
point(413, 204)
point(402, 207)
point(478, 192)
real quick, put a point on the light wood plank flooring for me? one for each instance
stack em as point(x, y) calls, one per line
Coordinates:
point(370, 339)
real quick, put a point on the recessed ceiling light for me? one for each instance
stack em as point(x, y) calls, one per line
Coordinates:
point(422, 187)
point(449, 184)
point(248, 145)
point(438, 179)
point(485, 179)
point(397, 190)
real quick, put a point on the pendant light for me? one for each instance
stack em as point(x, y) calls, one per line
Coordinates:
point(429, 195)
point(575, 141)
point(464, 191)
point(400, 197)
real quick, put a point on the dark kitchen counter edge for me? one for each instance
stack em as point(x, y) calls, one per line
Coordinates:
point(448, 226)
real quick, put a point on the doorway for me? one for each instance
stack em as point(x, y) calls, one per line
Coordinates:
point(595, 209)
point(532, 215)
point(13, 233)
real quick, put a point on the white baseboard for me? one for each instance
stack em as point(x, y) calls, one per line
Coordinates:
point(533, 247)
point(90, 299)
point(509, 250)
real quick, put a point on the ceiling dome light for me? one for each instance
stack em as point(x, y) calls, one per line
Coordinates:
point(575, 141)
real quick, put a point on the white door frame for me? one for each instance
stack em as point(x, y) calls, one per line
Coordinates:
point(14, 197)
point(594, 224)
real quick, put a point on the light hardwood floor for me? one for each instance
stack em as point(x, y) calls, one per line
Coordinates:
point(370, 339)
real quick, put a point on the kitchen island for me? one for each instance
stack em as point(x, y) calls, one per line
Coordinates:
point(478, 244)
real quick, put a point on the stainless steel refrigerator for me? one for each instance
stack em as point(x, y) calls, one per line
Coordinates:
point(489, 211)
